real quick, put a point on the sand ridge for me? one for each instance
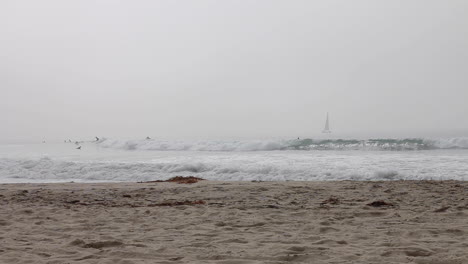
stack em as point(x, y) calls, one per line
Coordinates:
point(421, 222)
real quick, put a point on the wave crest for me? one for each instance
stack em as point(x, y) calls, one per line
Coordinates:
point(297, 144)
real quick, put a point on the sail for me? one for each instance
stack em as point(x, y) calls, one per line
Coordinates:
point(327, 126)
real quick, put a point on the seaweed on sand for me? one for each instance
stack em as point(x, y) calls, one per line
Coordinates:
point(179, 180)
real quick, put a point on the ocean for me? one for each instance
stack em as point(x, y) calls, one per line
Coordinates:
point(112, 160)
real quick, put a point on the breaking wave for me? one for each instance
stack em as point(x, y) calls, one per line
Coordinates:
point(50, 170)
point(296, 144)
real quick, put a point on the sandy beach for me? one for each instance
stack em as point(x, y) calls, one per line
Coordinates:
point(423, 222)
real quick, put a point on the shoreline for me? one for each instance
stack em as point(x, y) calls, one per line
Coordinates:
point(235, 222)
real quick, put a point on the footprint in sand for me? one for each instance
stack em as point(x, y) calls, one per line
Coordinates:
point(327, 229)
point(408, 251)
point(97, 245)
point(4, 223)
point(234, 240)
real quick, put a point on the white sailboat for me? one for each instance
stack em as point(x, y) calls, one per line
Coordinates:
point(327, 127)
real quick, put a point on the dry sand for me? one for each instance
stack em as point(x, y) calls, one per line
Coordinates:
point(235, 222)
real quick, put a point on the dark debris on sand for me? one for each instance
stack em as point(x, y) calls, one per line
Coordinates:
point(379, 203)
point(442, 209)
point(180, 180)
point(186, 202)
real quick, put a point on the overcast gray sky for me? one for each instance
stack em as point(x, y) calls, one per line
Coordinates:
point(201, 69)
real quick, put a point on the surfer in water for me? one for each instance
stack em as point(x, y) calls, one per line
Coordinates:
point(79, 148)
point(97, 139)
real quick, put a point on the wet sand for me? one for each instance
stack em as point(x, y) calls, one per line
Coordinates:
point(423, 222)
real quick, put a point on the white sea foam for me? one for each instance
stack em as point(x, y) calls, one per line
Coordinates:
point(92, 163)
